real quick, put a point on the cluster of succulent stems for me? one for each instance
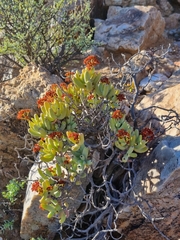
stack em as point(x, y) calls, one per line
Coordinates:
point(62, 146)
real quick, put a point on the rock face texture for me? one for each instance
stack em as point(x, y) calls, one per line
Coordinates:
point(24, 90)
point(172, 21)
point(157, 194)
point(153, 82)
point(165, 99)
point(130, 29)
point(34, 221)
point(165, 7)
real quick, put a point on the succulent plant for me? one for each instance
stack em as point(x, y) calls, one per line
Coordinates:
point(61, 144)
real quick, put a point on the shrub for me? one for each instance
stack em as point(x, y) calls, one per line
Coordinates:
point(7, 225)
point(12, 190)
point(48, 33)
point(75, 119)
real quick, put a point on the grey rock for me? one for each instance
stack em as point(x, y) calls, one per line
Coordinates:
point(153, 83)
point(125, 3)
point(132, 28)
point(159, 166)
point(172, 81)
point(165, 7)
point(34, 221)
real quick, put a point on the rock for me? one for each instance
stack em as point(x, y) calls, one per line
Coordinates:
point(125, 3)
point(113, 11)
point(172, 21)
point(165, 99)
point(172, 81)
point(165, 7)
point(163, 161)
point(24, 90)
point(155, 213)
point(153, 83)
point(34, 221)
point(8, 70)
point(175, 33)
point(133, 28)
point(10, 132)
point(164, 65)
point(145, 62)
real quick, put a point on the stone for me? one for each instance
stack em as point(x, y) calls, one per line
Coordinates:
point(165, 7)
point(24, 90)
point(132, 29)
point(34, 221)
point(164, 65)
point(11, 132)
point(175, 33)
point(165, 107)
point(8, 69)
point(144, 62)
point(156, 193)
point(113, 11)
point(153, 83)
point(125, 3)
point(172, 21)
point(172, 81)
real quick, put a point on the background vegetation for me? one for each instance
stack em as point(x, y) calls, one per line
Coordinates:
point(48, 33)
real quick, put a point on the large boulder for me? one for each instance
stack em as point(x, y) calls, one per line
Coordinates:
point(34, 221)
point(133, 28)
point(24, 90)
point(155, 212)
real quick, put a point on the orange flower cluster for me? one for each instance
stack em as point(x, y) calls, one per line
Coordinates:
point(68, 76)
point(90, 97)
point(36, 148)
point(63, 86)
point(24, 114)
point(91, 61)
point(105, 80)
point(120, 96)
point(49, 188)
point(49, 96)
point(74, 136)
point(123, 134)
point(36, 187)
point(55, 134)
point(117, 114)
point(147, 134)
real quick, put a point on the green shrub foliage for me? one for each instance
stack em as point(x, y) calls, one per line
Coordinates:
point(48, 33)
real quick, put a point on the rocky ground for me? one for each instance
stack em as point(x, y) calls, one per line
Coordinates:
point(12, 133)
